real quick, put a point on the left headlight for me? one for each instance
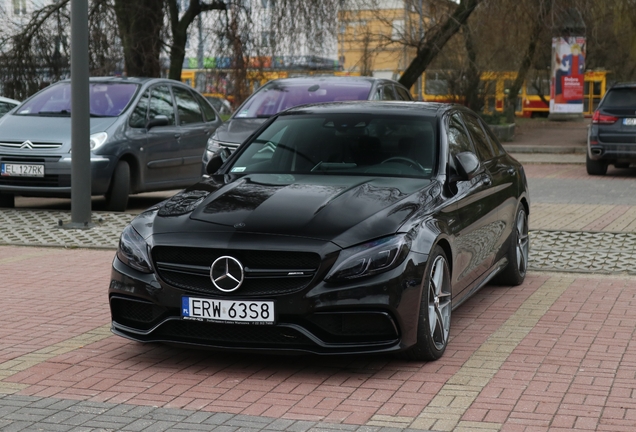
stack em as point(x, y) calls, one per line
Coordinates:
point(97, 139)
point(133, 250)
point(370, 258)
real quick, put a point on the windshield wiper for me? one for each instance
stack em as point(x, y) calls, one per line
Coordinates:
point(99, 115)
point(55, 113)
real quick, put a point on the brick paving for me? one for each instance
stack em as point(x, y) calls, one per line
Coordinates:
point(553, 354)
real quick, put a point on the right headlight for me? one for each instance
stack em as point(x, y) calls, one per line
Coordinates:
point(133, 250)
point(371, 258)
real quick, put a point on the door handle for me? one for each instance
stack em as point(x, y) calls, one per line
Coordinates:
point(177, 135)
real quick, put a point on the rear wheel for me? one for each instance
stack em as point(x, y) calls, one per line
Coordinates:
point(7, 200)
point(117, 195)
point(518, 252)
point(595, 167)
point(435, 310)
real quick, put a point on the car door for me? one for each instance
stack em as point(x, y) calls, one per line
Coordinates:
point(468, 212)
point(499, 191)
point(194, 132)
point(505, 176)
point(162, 156)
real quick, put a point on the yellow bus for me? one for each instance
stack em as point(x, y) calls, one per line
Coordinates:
point(534, 97)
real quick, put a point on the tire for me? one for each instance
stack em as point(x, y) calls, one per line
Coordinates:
point(595, 167)
point(117, 195)
point(7, 200)
point(518, 252)
point(434, 321)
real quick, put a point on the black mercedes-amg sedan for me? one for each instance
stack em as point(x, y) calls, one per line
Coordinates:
point(339, 228)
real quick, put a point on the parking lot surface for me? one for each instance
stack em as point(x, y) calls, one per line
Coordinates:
point(554, 354)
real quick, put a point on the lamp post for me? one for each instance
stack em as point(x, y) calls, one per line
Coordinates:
point(80, 119)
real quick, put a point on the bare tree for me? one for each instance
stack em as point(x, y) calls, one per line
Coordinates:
point(434, 40)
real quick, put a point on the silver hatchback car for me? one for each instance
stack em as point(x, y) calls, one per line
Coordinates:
point(147, 134)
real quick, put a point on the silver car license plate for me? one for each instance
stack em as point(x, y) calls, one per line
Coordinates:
point(22, 170)
point(239, 311)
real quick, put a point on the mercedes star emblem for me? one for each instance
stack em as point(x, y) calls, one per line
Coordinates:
point(226, 273)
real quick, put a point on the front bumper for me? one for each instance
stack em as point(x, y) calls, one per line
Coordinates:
point(378, 314)
point(57, 176)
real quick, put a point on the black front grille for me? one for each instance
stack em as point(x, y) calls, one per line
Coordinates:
point(354, 326)
point(135, 313)
point(232, 334)
point(266, 272)
point(46, 181)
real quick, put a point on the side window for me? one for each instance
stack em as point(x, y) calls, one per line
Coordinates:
point(494, 141)
point(5, 108)
point(402, 94)
point(138, 116)
point(387, 93)
point(187, 107)
point(482, 143)
point(161, 103)
point(208, 111)
point(458, 140)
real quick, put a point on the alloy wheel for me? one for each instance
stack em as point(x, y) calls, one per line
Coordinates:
point(439, 303)
point(523, 242)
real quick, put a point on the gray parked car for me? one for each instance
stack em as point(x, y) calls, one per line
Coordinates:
point(281, 94)
point(147, 134)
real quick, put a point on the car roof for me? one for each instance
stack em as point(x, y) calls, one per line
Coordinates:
point(134, 80)
point(13, 101)
point(429, 109)
point(624, 85)
point(331, 78)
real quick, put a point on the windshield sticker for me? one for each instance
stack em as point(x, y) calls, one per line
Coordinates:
point(238, 169)
point(242, 113)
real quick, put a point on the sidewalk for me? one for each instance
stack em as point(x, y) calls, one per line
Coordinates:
point(543, 141)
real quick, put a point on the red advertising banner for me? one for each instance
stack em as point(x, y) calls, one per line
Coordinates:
point(568, 72)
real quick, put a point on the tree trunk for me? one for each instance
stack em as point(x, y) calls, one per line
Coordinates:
point(433, 45)
point(545, 6)
point(140, 23)
point(473, 101)
point(179, 29)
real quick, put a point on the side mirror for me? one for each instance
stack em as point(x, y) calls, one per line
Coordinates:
point(217, 160)
point(468, 165)
point(160, 120)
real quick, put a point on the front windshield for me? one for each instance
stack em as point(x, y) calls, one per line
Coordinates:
point(276, 96)
point(106, 100)
point(343, 144)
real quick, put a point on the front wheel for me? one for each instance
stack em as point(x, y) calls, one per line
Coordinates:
point(518, 252)
point(7, 200)
point(117, 195)
point(435, 310)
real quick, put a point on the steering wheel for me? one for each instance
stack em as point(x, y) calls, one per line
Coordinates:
point(408, 161)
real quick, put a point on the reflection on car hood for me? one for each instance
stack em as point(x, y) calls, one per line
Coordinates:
point(45, 129)
point(341, 209)
point(237, 130)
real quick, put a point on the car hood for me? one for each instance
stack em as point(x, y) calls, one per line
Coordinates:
point(342, 209)
point(237, 130)
point(45, 129)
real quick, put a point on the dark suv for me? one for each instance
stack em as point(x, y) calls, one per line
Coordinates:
point(612, 135)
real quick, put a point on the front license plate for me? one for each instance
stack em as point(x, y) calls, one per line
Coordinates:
point(22, 170)
point(229, 311)
point(629, 122)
